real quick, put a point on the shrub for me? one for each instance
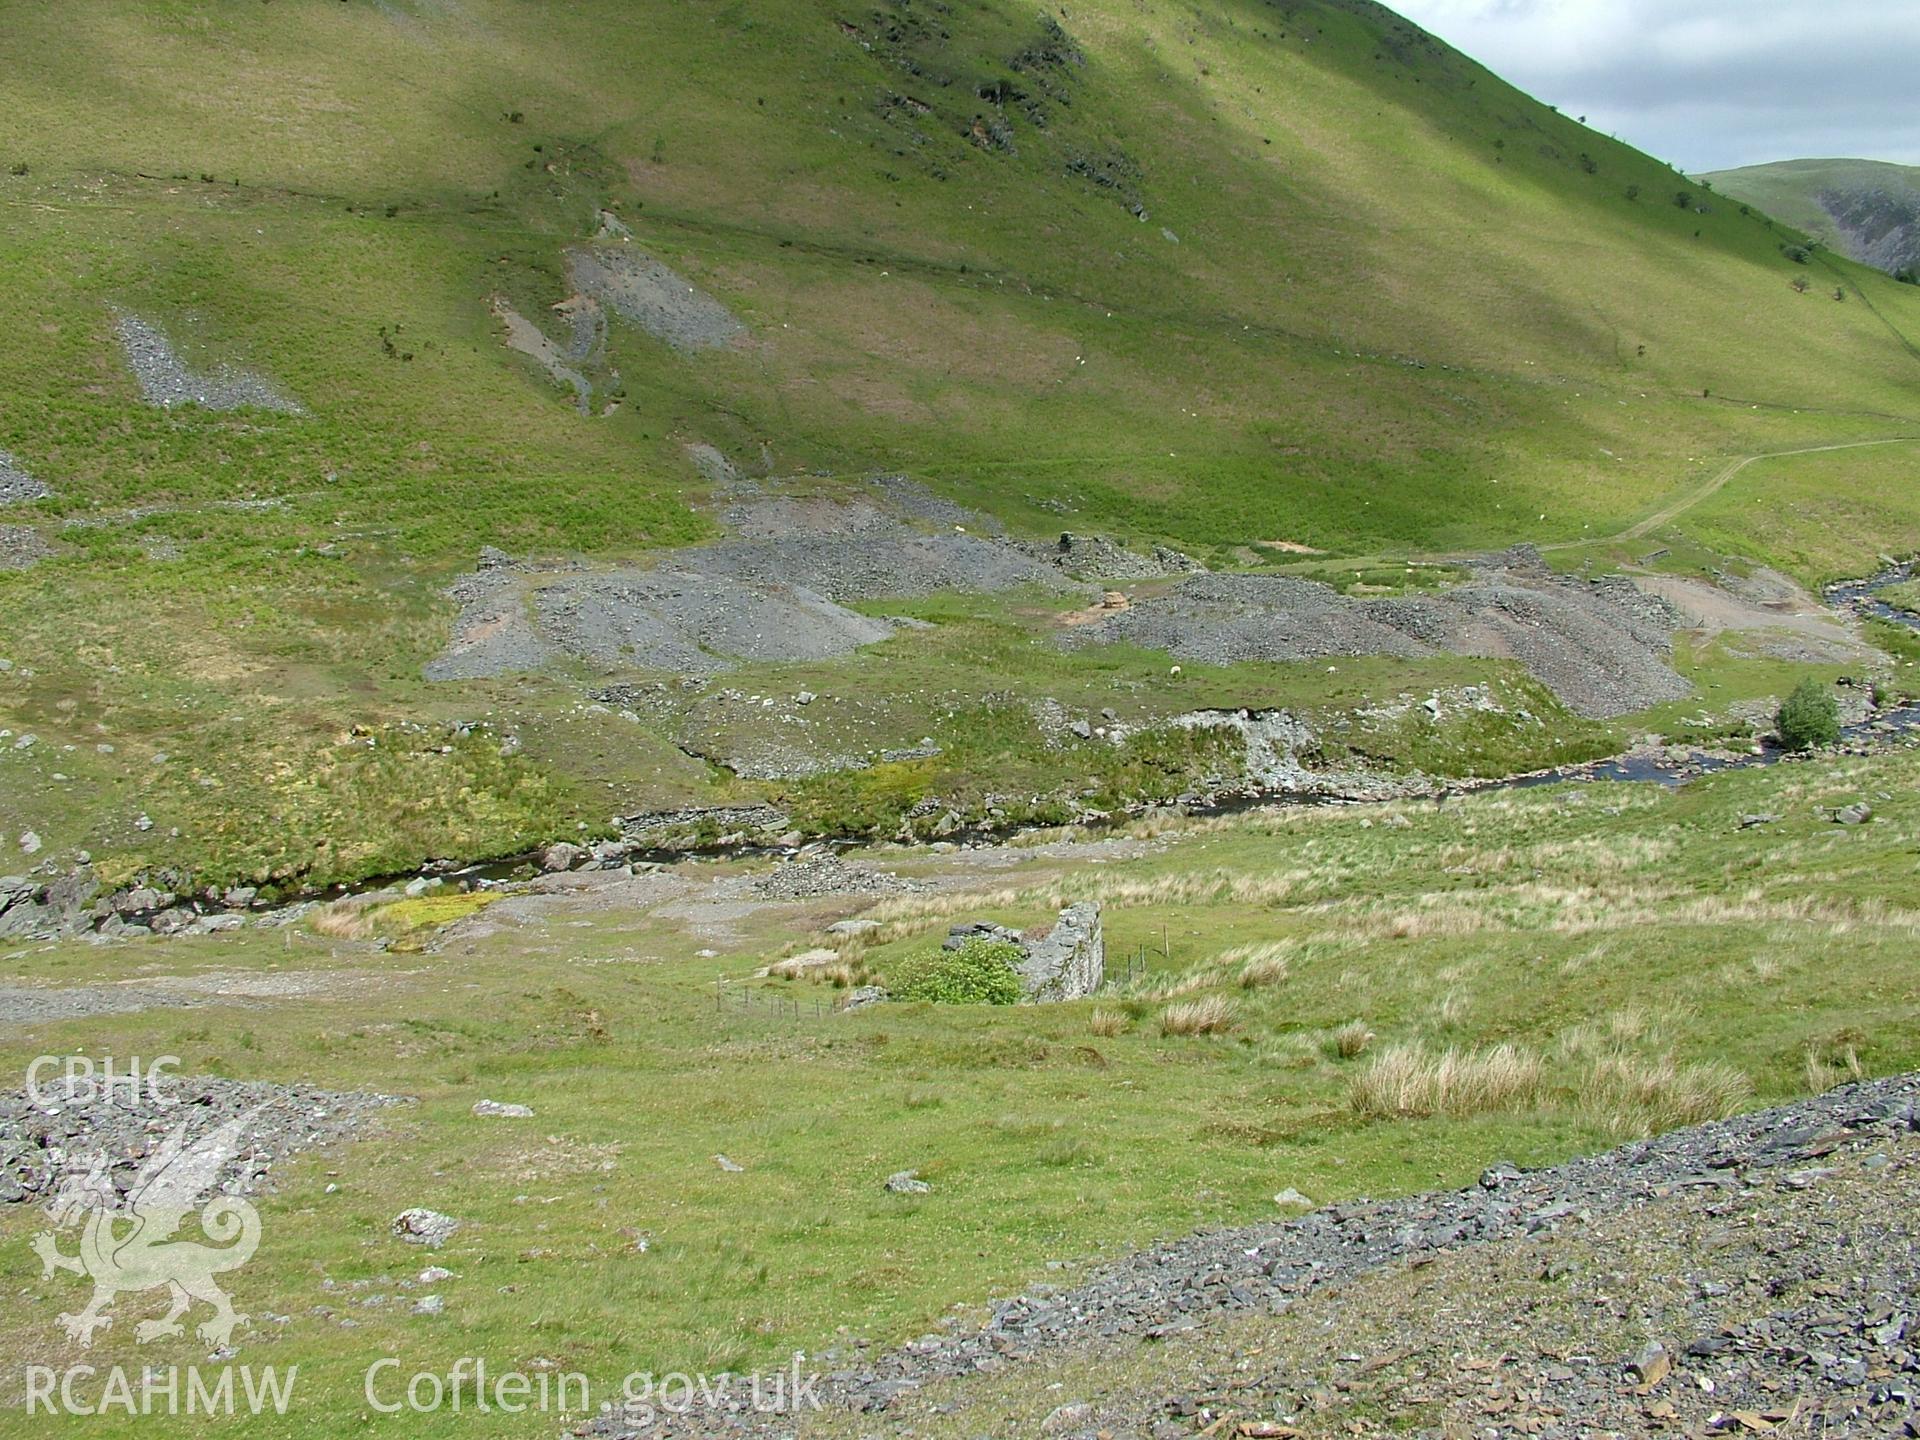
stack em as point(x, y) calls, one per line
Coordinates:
point(980, 972)
point(1213, 1015)
point(1809, 717)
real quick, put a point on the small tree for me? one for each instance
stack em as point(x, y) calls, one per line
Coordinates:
point(1809, 717)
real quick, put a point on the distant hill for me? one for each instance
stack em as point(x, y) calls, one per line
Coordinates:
point(1868, 210)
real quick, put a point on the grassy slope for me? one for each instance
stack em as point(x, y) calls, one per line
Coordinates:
point(1601, 929)
point(1402, 305)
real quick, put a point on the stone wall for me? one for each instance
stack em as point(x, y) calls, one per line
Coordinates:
point(1066, 962)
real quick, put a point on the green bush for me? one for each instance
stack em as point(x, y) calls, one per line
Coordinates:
point(1810, 717)
point(980, 972)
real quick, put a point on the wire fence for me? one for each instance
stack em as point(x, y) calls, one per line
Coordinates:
point(749, 1002)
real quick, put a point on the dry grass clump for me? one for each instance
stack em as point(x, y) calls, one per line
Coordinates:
point(1209, 1015)
point(1634, 1096)
point(1170, 984)
point(1262, 964)
point(345, 919)
point(1825, 1071)
point(1107, 1023)
point(1409, 1080)
point(1349, 1041)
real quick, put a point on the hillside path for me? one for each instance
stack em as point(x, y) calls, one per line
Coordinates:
point(1639, 530)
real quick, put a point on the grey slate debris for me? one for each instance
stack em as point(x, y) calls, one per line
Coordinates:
point(1603, 646)
point(1776, 1161)
point(16, 485)
point(41, 1133)
point(166, 380)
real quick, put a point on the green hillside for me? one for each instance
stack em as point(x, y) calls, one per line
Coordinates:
point(1868, 210)
point(1210, 275)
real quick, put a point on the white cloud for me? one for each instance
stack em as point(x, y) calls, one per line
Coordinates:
point(1708, 84)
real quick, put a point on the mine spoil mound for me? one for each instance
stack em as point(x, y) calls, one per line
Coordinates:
point(1603, 646)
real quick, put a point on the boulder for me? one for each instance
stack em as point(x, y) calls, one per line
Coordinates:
point(496, 1110)
point(807, 962)
point(561, 855)
point(907, 1182)
point(420, 1226)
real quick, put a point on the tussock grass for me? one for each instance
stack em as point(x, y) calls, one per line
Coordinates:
point(1622, 1092)
point(346, 919)
point(1408, 1080)
point(1261, 965)
point(1632, 1096)
point(1825, 1070)
point(1350, 1041)
point(1108, 1023)
point(1209, 1015)
point(1169, 984)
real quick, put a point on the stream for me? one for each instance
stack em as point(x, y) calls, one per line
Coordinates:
point(1670, 767)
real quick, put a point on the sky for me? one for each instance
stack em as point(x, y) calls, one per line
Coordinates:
point(1708, 84)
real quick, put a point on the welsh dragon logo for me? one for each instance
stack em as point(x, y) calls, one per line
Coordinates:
point(127, 1247)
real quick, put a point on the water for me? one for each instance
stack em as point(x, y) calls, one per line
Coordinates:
point(1859, 596)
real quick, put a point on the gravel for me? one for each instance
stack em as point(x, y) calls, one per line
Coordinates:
point(166, 381)
point(30, 1005)
point(636, 287)
point(671, 619)
point(523, 337)
point(1834, 1293)
point(1095, 557)
point(881, 559)
point(16, 485)
point(823, 875)
point(38, 1139)
point(911, 498)
point(21, 546)
point(1603, 646)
